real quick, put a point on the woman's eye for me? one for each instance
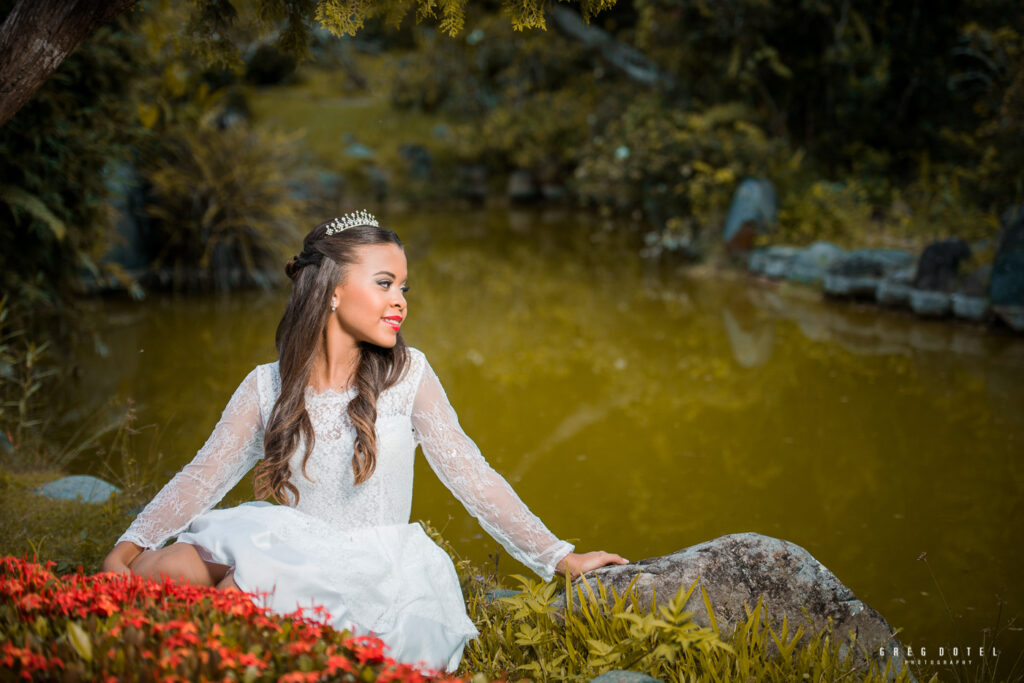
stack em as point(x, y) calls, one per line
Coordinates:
point(386, 284)
point(405, 289)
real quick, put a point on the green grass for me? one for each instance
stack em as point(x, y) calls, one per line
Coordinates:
point(320, 106)
point(71, 533)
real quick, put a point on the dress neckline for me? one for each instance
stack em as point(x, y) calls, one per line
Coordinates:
point(328, 393)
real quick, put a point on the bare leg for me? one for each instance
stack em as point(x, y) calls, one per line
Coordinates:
point(228, 582)
point(178, 562)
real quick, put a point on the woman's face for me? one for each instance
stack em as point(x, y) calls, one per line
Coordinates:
point(371, 298)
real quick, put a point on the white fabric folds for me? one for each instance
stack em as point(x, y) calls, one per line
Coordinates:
point(389, 581)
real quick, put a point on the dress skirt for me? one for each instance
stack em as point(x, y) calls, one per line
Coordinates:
point(389, 581)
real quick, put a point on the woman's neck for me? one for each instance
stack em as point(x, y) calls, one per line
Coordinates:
point(337, 358)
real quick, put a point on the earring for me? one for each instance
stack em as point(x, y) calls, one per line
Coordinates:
point(334, 305)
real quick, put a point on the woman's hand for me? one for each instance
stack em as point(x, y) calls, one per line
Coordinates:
point(576, 565)
point(119, 560)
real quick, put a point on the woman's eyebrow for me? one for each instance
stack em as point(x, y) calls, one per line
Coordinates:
point(389, 273)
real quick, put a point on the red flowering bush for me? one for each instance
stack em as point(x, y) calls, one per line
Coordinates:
point(110, 627)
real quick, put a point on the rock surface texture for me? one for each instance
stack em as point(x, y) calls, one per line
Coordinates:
point(857, 273)
point(809, 266)
point(754, 209)
point(737, 569)
point(939, 263)
point(79, 487)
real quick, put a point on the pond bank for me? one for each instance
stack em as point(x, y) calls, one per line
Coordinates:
point(926, 284)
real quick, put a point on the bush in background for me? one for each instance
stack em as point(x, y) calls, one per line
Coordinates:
point(223, 207)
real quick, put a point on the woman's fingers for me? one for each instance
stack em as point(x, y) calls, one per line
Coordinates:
point(577, 564)
point(598, 559)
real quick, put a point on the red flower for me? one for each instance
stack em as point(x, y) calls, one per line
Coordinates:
point(248, 659)
point(300, 677)
point(368, 650)
point(176, 625)
point(30, 602)
point(336, 663)
point(105, 605)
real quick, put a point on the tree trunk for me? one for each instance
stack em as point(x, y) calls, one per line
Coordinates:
point(37, 36)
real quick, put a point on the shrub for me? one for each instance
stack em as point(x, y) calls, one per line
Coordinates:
point(679, 166)
point(223, 205)
point(540, 634)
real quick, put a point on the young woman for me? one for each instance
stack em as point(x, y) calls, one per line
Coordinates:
point(331, 428)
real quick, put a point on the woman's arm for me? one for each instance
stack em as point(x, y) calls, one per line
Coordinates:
point(485, 494)
point(232, 449)
point(119, 560)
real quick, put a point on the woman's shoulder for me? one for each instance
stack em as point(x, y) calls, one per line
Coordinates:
point(266, 371)
point(267, 377)
point(414, 369)
point(415, 355)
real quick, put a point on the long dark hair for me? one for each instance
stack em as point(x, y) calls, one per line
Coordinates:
point(315, 273)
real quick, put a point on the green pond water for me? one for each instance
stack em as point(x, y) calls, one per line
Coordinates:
point(642, 408)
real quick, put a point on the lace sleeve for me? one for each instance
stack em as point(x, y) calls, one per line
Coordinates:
point(485, 494)
point(232, 449)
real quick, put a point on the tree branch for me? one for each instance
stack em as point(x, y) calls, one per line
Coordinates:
point(37, 36)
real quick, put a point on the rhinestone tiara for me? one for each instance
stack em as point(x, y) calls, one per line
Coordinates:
point(351, 220)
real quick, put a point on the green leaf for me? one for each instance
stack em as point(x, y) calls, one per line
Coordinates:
point(80, 641)
point(710, 610)
point(17, 197)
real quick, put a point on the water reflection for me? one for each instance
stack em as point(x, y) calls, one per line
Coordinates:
point(642, 409)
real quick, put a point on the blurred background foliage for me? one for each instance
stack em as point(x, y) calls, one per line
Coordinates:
point(890, 119)
point(191, 149)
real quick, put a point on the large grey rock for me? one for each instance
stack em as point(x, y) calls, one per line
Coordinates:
point(858, 273)
point(938, 265)
point(79, 487)
point(738, 569)
point(810, 264)
point(753, 210)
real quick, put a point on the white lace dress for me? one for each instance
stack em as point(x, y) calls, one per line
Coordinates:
point(348, 548)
